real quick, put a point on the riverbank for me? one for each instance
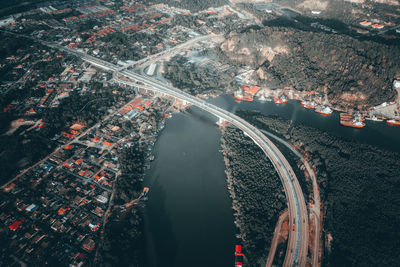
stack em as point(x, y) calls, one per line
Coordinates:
point(122, 236)
point(387, 110)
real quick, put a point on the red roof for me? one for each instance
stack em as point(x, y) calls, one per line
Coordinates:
point(69, 135)
point(15, 225)
point(61, 211)
point(68, 147)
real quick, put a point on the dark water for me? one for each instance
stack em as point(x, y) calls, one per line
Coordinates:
point(189, 219)
point(375, 133)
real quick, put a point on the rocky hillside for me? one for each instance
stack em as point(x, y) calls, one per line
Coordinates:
point(346, 11)
point(357, 74)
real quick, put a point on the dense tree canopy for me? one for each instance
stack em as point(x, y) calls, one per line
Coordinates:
point(359, 186)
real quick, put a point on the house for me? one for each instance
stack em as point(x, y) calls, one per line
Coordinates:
point(31, 207)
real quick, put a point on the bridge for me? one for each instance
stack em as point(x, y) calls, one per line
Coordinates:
point(298, 235)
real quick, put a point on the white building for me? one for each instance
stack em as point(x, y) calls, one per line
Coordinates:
point(7, 21)
point(396, 84)
point(151, 69)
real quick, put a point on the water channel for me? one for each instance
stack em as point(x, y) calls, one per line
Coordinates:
point(188, 217)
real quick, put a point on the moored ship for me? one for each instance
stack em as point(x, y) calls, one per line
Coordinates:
point(349, 120)
point(373, 118)
point(307, 104)
point(239, 256)
point(353, 123)
point(326, 111)
point(280, 100)
point(239, 96)
point(393, 122)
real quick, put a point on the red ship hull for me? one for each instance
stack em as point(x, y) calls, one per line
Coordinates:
point(352, 125)
point(391, 122)
point(323, 113)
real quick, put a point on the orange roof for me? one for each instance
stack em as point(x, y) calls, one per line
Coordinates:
point(68, 147)
point(128, 108)
point(365, 23)
point(79, 161)
point(106, 143)
point(77, 126)
point(253, 90)
point(378, 26)
point(69, 135)
point(61, 211)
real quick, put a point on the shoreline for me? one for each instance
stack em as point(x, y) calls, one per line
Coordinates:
point(386, 110)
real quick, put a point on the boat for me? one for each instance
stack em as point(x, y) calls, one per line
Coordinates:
point(350, 120)
point(308, 105)
point(373, 118)
point(393, 122)
point(353, 123)
point(324, 110)
point(280, 100)
point(238, 95)
point(145, 192)
point(239, 256)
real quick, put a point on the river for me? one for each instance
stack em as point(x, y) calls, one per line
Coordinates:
point(188, 217)
point(375, 133)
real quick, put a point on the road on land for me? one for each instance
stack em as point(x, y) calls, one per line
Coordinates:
point(298, 237)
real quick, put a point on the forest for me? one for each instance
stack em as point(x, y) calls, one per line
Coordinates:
point(359, 186)
point(256, 191)
point(192, 5)
point(123, 244)
point(354, 73)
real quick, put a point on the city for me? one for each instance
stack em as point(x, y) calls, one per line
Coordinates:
point(88, 87)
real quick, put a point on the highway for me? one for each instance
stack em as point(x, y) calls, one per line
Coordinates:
point(172, 51)
point(298, 237)
point(315, 210)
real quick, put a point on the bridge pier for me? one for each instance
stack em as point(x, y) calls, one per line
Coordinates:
point(221, 122)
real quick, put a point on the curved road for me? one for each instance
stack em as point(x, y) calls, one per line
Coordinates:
point(298, 237)
point(315, 210)
point(170, 52)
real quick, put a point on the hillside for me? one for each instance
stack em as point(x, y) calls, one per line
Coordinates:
point(356, 74)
